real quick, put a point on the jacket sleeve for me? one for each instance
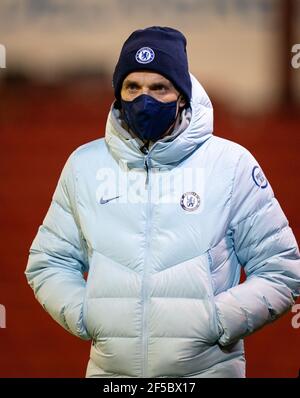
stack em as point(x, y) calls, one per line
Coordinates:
point(266, 247)
point(58, 259)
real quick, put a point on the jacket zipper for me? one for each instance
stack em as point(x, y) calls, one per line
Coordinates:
point(145, 281)
point(147, 173)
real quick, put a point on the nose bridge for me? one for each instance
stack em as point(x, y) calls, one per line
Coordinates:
point(145, 89)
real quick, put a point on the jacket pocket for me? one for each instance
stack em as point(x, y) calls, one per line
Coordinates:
point(216, 323)
point(86, 304)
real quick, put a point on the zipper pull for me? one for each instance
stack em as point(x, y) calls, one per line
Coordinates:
point(144, 148)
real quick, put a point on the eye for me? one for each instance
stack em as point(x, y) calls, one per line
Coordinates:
point(160, 89)
point(132, 87)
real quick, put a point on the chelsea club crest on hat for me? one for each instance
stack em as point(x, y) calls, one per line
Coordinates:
point(145, 55)
point(157, 49)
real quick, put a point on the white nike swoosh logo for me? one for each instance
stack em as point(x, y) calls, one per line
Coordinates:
point(103, 201)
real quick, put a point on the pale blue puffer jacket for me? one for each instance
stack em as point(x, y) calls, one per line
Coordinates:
point(163, 298)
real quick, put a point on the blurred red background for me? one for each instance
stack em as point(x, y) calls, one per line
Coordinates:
point(52, 101)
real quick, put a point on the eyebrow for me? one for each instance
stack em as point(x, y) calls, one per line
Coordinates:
point(152, 85)
point(128, 82)
point(159, 84)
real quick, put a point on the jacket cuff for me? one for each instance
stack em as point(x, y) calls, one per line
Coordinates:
point(75, 324)
point(232, 318)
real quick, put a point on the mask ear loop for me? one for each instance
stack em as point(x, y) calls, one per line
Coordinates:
point(177, 114)
point(178, 109)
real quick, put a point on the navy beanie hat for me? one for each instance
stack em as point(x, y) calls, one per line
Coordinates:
point(156, 49)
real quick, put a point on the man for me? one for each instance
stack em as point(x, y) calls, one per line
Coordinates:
point(163, 215)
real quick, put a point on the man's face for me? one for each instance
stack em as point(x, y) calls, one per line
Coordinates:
point(150, 83)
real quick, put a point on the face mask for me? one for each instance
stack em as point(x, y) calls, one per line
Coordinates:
point(149, 118)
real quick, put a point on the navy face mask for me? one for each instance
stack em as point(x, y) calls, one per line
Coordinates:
point(149, 118)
